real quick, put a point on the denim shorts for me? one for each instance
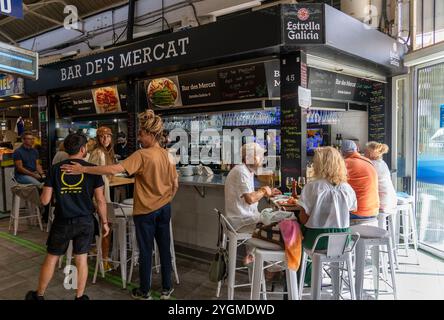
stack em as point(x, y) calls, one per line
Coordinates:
point(79, 230)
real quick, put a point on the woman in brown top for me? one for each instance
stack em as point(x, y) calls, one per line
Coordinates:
point(103, 154)
point(156, 184)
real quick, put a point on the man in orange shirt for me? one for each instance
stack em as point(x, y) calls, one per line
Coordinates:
point(363, 178)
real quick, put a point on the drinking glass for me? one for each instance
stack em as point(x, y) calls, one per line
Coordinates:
point(301, 182)
point(289, 183)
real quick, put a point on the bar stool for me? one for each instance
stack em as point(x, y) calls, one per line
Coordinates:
point(31, 207)
point(273, 254)
point(135, 254)
point(409, 230)
point(372, 237)
point(119, 216)
point(338, 252)
point(386, 222)
point(234, 239)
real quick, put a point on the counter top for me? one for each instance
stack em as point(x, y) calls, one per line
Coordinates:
point(203, 181)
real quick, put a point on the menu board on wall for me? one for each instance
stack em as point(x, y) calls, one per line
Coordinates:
point(199, 88)
point(109, 99)
point(242, 82)
point(76, 103)
point(330, 85)
point(376, 114)
point(321, 83)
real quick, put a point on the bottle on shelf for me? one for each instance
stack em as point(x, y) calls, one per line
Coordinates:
point(340, 140)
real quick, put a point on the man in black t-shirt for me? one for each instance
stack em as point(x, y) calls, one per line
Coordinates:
point(74, 218)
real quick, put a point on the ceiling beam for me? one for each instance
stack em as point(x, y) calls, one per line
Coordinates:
point(42, 16)
point(6, 36)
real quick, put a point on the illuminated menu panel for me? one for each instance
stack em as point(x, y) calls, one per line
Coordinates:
point(18, 61)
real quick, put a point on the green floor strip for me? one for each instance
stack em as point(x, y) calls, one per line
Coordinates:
point(112, 279)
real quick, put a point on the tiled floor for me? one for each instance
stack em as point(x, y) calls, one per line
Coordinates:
point(21, 258)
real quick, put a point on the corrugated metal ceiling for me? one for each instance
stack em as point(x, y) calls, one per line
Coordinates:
point(40, 16)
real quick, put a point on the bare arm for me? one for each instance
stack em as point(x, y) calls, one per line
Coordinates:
point(253, 197)
point(21, 169)
point(303, 216)
point(46, 196)
point(99, 195)
point(77, 168)
point(175, 186)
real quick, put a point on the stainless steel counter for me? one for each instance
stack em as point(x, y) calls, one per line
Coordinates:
point(216, 180)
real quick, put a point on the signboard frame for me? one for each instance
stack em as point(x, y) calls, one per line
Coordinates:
point(21, 55)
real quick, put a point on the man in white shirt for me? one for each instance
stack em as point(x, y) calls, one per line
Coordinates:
point(241, 199)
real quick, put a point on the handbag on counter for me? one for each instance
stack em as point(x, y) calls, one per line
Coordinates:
point(219, 266)
point(269, 232)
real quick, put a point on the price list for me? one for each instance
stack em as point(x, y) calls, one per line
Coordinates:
point(376, 114)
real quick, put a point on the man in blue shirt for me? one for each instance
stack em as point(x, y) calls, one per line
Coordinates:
point(27, 167)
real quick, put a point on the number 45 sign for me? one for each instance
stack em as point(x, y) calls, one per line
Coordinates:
point(13, 8)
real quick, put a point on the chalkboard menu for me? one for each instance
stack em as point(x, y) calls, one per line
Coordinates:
point(321, 83)
point(291, 117)
point(376, 114)
point(242, 82)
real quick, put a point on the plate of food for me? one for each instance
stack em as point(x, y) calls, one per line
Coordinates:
point(106, 100)
point(287, 203)
point(162, 92)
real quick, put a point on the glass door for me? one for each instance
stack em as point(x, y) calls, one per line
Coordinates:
point(430, 157)
point(402, 150)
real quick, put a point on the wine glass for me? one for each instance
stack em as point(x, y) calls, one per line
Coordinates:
point(289, 183)
point(301, 182)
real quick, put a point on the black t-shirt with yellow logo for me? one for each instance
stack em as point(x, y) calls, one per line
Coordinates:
point(73, 193)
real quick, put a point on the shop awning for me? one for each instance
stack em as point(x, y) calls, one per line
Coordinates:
point(315, 28)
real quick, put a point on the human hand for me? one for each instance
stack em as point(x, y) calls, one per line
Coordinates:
point(105, 229)
point(276, 192)
point(73, 168)
point(267, 191)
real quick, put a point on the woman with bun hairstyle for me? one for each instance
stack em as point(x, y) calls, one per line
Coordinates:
point(387, 194)
point(103, 155)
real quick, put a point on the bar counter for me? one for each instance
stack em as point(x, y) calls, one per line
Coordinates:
point(203, 181)
point(195, 223)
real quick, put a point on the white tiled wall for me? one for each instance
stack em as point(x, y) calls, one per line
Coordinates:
point(352, 125)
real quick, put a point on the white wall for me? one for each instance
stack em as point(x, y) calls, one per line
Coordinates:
point(352, 125)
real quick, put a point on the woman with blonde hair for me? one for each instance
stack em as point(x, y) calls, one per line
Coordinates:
point(387, 194)
point(328, 200)
point(156, 183)
point(103, 154)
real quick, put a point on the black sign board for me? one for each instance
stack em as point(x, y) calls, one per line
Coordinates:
point(242, 82)
point(76, 103)
point(321, 83)
point(292, 122)
point(303, 24)
point(199, 88)
point(331, 85)
point(376, 114)
point(81, 103)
